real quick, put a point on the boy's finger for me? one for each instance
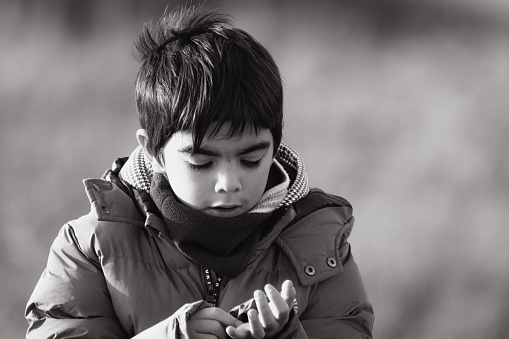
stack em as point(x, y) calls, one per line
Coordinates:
point(277, 304)
point(264, 311)
point(238, 333)
point(288, 293)
point(206, 326)
point(217, 314)
point(255, 325)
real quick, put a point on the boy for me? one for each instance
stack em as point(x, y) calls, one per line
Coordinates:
point(209, 228)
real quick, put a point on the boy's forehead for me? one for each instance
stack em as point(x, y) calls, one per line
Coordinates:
point(223, 139)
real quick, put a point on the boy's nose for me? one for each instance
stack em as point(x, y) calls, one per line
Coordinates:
point(228, 181)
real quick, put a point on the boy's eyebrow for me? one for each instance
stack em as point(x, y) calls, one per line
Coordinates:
point(204, 151)
point(256, 147)
point(201, 150)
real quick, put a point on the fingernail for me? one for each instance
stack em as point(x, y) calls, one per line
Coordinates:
point(258, 294)
point(253, 315)
point(229, 331)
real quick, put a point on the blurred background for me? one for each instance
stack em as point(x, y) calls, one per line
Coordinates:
point(398, 106)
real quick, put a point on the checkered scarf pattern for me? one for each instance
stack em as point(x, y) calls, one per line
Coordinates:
point(137, 172)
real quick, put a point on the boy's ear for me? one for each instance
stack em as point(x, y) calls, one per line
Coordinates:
point(142, 137)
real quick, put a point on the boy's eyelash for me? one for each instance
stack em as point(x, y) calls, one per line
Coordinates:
point(246, 163)
point(199, 167)
point(251, 164)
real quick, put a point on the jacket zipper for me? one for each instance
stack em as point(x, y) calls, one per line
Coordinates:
point(212, 286)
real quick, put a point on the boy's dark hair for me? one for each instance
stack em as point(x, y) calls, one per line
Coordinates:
point(197, 69)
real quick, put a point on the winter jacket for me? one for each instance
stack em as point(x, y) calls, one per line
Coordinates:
point(116, 273)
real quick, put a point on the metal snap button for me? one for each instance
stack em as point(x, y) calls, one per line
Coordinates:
point(310, 270)
point(105, 209)
point(96, 187)
point(332, 262)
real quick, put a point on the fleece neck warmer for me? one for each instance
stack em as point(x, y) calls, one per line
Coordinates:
point(224, 245)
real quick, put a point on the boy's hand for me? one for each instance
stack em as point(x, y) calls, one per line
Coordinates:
point(272, 315)
point(210, 321)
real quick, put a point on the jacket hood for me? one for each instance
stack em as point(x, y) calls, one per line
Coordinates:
point(137, 172)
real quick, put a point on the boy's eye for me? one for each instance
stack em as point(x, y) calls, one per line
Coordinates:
point(200, 167)
point(251, 164)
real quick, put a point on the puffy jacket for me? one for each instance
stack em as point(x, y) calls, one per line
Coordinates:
point(116, 273)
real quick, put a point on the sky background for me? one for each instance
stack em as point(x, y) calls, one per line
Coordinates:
point(398, 106)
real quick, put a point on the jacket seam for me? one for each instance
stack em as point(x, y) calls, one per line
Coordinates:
point(120, 220)
point(76, 244)
point(257, 269)
point(145, 262)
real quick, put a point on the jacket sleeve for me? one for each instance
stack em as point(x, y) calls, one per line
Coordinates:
point(175, 326)
point(339, 305)
point(71, 299)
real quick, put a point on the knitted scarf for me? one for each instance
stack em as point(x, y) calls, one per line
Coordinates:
point(224, 245)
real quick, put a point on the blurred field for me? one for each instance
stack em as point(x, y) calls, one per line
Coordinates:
point(399, 106)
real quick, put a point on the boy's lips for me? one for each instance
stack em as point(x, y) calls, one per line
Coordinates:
point(226, 207)
point(225, 210)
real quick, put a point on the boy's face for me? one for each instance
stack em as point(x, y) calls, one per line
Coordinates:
point(226, 177)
